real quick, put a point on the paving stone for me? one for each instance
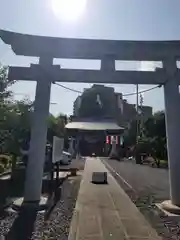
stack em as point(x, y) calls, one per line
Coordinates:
point(110, 233)
point(124, 206)
point(74, 225)
point(92, 237)
point(111, 225)
point(139, 238)
point(104, 199)
point(110, 217)
point(88, 225)
point(135, 228)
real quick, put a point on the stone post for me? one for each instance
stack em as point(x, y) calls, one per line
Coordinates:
point(172, 111)
point(35, 166)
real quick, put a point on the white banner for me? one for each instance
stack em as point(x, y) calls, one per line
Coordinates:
point(58, 145)
point(113, 139)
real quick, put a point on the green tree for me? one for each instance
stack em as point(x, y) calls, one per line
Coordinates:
point(56, 126)
point(130, 134)
point(5, 110)
point(18, 121)
point(5, 83)
point(155, 129)
point(153, 140)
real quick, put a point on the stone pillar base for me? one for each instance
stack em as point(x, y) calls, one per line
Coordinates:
point(168, 206)
point(41, 205)
point(24, 225)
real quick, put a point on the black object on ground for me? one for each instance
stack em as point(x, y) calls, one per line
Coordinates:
point(99, 177)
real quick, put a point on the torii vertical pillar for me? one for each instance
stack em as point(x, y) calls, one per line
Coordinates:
point(172, 111)
point(108, 65)
point(34, 174)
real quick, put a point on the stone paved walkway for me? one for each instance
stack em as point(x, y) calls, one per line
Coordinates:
point(105, 212)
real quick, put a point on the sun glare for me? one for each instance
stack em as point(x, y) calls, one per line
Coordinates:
point(68, 10)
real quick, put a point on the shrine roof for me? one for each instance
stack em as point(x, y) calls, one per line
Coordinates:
point(94, 126)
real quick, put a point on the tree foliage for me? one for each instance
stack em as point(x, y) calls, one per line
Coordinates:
point(153, 140)
point(15, 126)
point(155, 131)
point(56, 126)
point(5, 83)
point(15, 120)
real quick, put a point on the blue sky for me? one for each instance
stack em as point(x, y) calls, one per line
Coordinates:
point(103, 19)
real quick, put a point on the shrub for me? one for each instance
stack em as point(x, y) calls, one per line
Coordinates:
point(5, 162)
point(2, 169)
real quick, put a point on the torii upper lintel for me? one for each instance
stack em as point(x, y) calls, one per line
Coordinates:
point(32, 45)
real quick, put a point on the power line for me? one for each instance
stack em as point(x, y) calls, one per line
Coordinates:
point(21, 94)
point(143, 91)
point(124, 95)
point(70, 89)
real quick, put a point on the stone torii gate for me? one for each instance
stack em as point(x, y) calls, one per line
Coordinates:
point(47, 48)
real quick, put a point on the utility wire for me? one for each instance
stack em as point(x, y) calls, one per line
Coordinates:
point(124, 95)
point(143, 91)
point(70, 89)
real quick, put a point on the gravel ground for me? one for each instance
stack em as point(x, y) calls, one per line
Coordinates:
point(149, 186)
point(58, 223)
point(6, 221)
